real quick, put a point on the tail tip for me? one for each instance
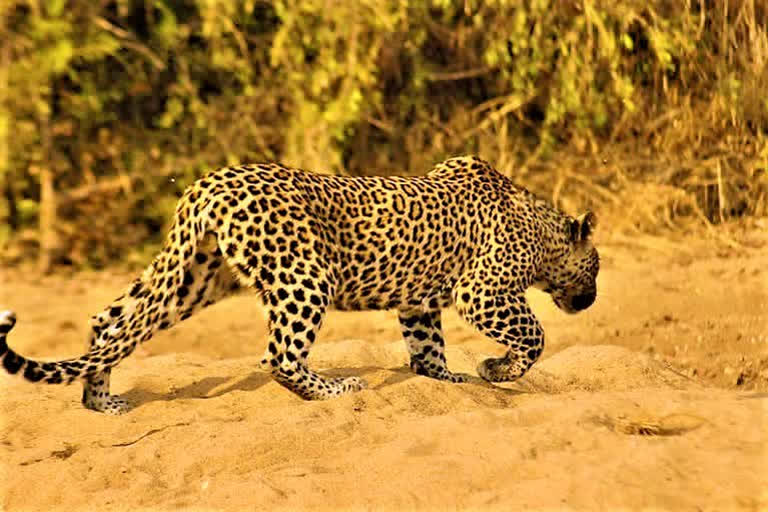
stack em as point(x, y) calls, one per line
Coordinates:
point(7, 320)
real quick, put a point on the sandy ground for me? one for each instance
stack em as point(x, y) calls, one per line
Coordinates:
point(655, 398)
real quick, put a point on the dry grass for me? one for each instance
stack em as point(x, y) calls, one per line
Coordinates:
point(665, 133)
point(648, 425)
point(693, 154)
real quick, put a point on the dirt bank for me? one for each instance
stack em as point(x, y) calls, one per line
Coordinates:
point(656, 397)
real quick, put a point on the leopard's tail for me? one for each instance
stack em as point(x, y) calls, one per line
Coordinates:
point(150, 303)
point(57, 372)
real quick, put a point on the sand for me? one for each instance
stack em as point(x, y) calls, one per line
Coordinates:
point(655, 398)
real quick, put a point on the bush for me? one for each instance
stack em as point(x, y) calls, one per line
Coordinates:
point(115, 105)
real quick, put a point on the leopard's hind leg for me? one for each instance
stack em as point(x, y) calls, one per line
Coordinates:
point(96, 395)
point(297, 286)
point(154, 302)
point(294, 322)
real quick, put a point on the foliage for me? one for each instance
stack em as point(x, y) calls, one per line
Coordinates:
point(118, 103)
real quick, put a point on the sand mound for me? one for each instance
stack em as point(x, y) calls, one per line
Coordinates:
point(589, 428)
point(208, 434)
point(604, 367)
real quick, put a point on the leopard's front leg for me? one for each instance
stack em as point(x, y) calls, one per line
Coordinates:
point(508, 320)
point(423, 335)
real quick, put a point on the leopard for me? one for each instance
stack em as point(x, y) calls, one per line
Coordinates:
point(463, 235)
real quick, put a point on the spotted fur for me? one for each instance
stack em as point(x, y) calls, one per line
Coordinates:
point(462, 235)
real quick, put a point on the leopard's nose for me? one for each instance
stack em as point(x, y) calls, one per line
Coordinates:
point(581, 302)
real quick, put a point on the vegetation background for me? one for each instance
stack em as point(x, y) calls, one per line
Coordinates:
point(655, 110)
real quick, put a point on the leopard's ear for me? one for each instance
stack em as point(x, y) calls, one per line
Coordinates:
point(581, 228)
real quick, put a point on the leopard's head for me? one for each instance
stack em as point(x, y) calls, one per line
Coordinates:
point(570, 274)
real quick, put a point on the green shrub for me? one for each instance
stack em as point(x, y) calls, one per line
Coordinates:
point(118, 104)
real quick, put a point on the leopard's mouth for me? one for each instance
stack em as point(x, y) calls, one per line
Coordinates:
point(573, 304)
point(583, 301)
point(562, 305)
